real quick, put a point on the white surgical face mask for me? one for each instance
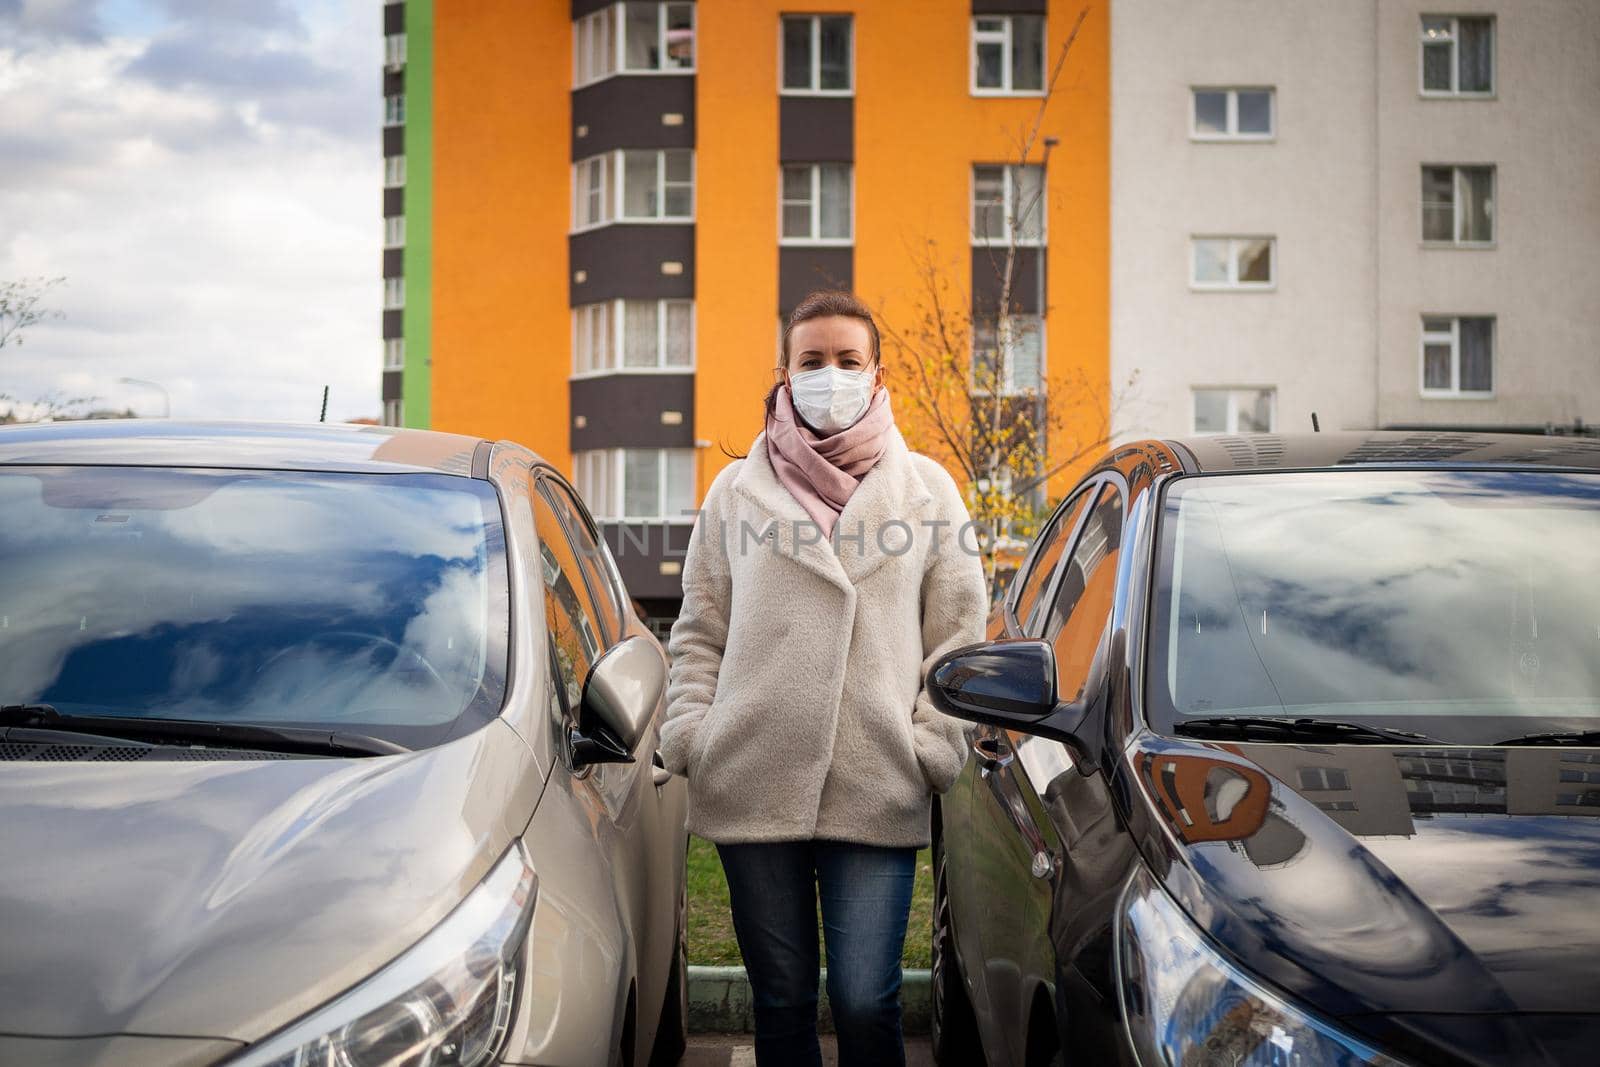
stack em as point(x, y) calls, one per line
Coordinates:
point(831, 399)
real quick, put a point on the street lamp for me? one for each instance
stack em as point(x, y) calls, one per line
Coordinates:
point(166, 399)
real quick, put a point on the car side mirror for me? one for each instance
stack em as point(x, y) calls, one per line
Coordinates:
point(1010, 683)
point(619, 698)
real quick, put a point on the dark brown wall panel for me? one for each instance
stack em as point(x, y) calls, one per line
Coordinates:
point(1009, 7)
point(394, 18)
point(625, 260)
point(394, 82)
point(1027, 280)
point(394, 202)
point(800, 270)
point(640, 549)
point(626, 112)
point(394, 140)
point(392, 324)
point(816, 129)
point(624, 411)
point(393, 262)
point(391, 384)
point(581, 8)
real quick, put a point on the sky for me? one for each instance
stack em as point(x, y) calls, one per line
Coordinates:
point(207, 176)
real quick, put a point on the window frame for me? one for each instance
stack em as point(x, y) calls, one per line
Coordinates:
point(394, 51)
point(1063, 510)
point(815, 88)
point(1009, 387)
point(614, 312)
point(613, 187)
point(394, 110)
point(1232, 135)
point(394, 353)
point(1455, 92)
point(1458, 205)
point(1008, 208)
point(614, 17)
point(394, 231)
point(1233, 284)
point(394, 412)
point(1232, 416)
point(613, 509)
point(1006, 40)
point(394, 293)
point(394, 171)
point(813, 241)
point(552, 486)
point(1453, 338)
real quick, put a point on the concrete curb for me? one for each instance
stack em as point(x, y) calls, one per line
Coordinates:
point(720, 1001)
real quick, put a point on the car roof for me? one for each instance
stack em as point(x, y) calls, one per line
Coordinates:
point(1382, 448)
point(253, 444)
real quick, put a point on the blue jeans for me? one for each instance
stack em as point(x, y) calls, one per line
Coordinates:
point(866, 899)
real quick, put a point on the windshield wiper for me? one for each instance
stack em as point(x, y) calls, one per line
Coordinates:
point(1559, 737)
point(1266, 728)
point(310, 740)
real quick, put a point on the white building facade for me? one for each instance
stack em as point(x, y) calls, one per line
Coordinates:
point(1386, 212)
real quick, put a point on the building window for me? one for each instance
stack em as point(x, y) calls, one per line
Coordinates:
point(633, 185)
point(646, 185)
point(1235, 410)
point(394, 51)
point(394, 293)
point(1007, 203)
point(1232, 115)
point(817, 204)
point(633, 38)
point(394, 171)
point(636, 484)
point(1007, 54)
point(394, 353)
point(394, 231)
point(1458, 205)
point(817, 54)
point(1458, 355)
point(1021, 357)
point(1322, 779)
point(1457, 56)
point(394, 109)
point(658, 37)
point(391, 413)
point(633, 335)
point(1233, 263)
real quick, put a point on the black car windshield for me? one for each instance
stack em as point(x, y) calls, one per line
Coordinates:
point(1464, 605)
point(372, 604)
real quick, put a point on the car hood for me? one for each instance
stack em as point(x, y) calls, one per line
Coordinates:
point(224, 899)
point(1374, 879)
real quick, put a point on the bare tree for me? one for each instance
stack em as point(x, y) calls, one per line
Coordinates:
point(956, 363)
point(21, 307)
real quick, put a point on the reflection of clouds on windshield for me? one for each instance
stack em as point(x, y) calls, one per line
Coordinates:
point(173, 611)
point(1375, 586)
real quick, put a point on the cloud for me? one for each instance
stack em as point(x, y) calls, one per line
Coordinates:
point(206, 176)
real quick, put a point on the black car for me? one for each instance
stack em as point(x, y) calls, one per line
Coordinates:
point(1289, 753)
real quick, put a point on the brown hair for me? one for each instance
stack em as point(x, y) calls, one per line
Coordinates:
point(821, 304)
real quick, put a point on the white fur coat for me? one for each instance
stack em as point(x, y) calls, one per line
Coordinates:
point(795, 699)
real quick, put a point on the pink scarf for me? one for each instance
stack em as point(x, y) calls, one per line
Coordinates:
point(821, 472)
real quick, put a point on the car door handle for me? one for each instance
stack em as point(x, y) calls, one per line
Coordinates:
point(658, 770)
point(993, 753)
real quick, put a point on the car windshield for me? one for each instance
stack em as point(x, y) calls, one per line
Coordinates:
point(1461, 604)
point(372, 604)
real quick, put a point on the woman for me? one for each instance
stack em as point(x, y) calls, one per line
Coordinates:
point(826, 572)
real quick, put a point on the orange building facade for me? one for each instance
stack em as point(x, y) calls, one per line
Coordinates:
point(609, 208)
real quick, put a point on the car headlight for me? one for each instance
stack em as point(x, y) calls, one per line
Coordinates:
point(445, 1002)
point(1183, 1003)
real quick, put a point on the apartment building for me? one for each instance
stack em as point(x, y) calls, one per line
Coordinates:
point(1385, 212)
point(599, 214)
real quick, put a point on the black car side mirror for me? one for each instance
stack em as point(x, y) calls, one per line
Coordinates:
point(1010, 683)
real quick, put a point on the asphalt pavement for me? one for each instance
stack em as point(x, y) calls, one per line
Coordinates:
point(738, 1050)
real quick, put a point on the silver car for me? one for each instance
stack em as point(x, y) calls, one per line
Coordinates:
point(324, 745)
